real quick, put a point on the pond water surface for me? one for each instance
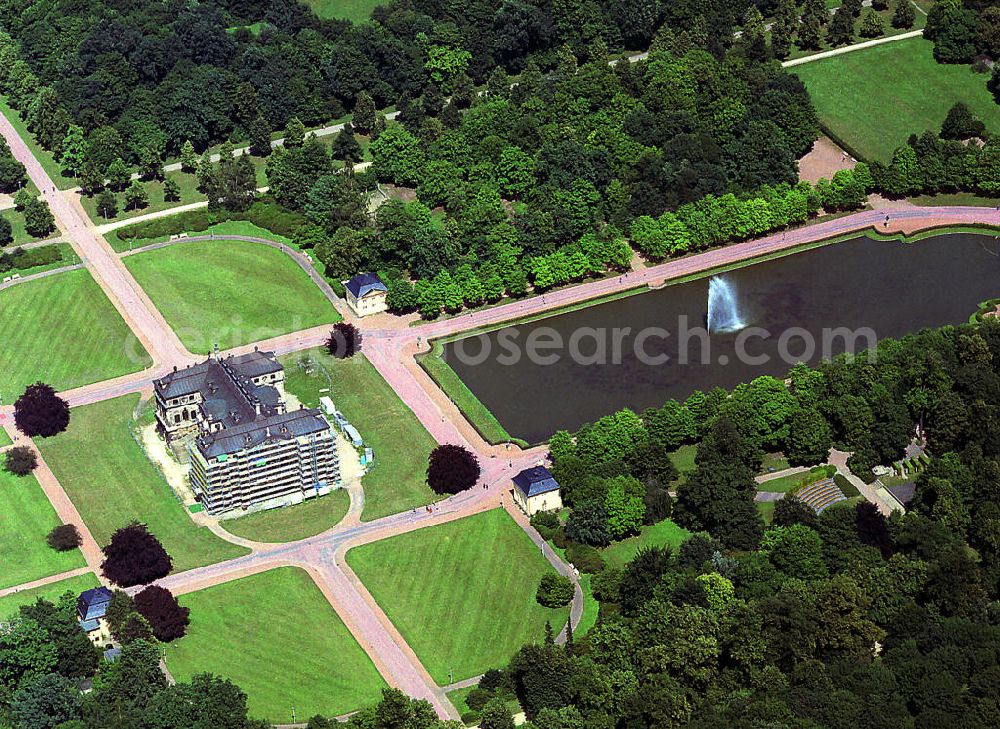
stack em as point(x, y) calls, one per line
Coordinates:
point(874, 288)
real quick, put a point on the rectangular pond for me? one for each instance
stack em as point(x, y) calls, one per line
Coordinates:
point(637, 352)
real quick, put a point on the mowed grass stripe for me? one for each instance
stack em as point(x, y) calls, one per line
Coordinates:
point(52, 592)
point(64, 331)
point(276, 636)
point(874, 99)
point(26, 517)
point(229, 292)
point(111, 482)
point(462, 594)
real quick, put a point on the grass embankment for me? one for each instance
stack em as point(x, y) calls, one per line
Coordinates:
point(462, 594)
point(229, 292)
point(471, 407)
point(26, 516)
point(63, 330)
point(401, 444)
point(872, 100)
point(275, 635)
point(291, 523)
point(111, 482)
point(52, 592)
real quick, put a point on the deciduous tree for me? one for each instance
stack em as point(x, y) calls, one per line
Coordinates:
point(135, 557)
point(451, 469)
point(41, 412)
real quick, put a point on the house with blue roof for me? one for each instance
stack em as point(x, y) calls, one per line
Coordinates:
point(91, 607)
point(366, 294)
point(536, 489)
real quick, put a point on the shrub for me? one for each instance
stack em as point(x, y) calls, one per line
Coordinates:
point(554, 590)
point(64, 537)
point(451, 469)
point(478, 698)
point(167, 617)
point(20, 460)
point(493, 679)
point(344, 340)
point(135, 557)
point(40, 412)
point(545, 519)
point(585, 558)
point(560, 538)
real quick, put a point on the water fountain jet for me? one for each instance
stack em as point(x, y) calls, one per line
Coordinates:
point(723, 308)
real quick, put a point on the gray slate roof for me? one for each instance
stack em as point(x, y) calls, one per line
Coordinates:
point(535, 481)
point(364, 283)
point(247, 436)
point(228, 394)
point(93, 603)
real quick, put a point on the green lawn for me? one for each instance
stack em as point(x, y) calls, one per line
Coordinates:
point(4, 438)
point(773, 462)
point(875, 98)
point(26, 516)
point(111, 482)
point(398, 480)
point(276, 636)
point(662, 533)
point(94, 343)
point(591, 607)
point(462, 593)
point(291, 523)
point(357, 11)
point(229, 292)
point(766, 510)
point(786, 483)
point(683, 459)
point(10, 603)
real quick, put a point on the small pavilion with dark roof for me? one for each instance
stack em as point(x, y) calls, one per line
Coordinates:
point(536, 489)
point(366, 294)
point(91, 607)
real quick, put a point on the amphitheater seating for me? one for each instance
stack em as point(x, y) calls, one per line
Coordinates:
point(821, 494)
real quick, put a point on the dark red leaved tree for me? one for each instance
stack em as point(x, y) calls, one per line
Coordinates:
point(167, 617)
point(135, 557)
point(451, 469)
point(20, 460)
point(64, 538)
point(39, 411)
point(344, 340)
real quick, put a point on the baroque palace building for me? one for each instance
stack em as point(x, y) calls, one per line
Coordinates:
point(247, 451)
